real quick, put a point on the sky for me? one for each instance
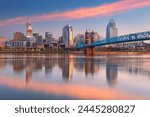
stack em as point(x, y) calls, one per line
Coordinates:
point(52, 15)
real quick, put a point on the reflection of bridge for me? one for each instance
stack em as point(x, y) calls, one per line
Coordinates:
point(90, 44)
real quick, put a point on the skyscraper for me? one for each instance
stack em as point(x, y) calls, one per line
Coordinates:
point(112, 30)
point(39, 39)
point(29, 30)
point(68, 36)
point(48, 37)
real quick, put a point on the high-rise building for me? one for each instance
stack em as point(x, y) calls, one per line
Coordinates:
point(68, 36)
point(29, 30)
point(48, 37)
point(112, 30)
point(30, 39)
point(18, 36)
point(39, 40)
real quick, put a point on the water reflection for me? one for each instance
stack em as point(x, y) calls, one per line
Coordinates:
point(111, 74)
point(70, 67)
point(67, 63)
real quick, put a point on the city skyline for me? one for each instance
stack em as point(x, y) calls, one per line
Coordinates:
point(130, 16)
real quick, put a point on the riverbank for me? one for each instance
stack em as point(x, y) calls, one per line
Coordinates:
point(46, 52)
point(77, 52)
point(122, 53)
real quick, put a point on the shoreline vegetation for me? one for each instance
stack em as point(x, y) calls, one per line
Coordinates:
point(77, 52)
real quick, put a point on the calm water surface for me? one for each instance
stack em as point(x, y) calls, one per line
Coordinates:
point(60, 76)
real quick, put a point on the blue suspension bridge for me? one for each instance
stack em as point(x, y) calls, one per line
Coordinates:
point(90, 46)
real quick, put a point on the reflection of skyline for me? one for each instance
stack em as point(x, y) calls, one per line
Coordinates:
point(111, 74)
point(67, 70)
point(90, 66)
point(69, 63)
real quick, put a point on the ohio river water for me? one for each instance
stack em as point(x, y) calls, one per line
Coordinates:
point(66, 76)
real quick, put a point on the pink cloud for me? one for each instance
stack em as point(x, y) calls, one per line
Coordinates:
point(102, 10)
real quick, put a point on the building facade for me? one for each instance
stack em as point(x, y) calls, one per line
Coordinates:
point(48, 37)
point(18, 36)
point(68, 36)
point(79, 38)
point(29, 30)
point(91, 36)
point(2, 42)
point(39, 39)
point(111, 30)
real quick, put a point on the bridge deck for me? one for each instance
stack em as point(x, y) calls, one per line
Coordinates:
point(120, 39)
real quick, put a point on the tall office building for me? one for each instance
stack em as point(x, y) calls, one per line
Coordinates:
point(30, 39)
point(39, 39)
point(48, 37)
point(68, 36)
point(29, 30)
point(112, 30)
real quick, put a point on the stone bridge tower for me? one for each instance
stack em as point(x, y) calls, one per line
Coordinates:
point(89, 38)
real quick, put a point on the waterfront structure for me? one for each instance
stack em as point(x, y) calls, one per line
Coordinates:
point(60, 40)
point(68, 36)
point(2, 42)
point(91, 36)
point(53, 45)
point(17, 44)
point(134, 37)
point(131, 45)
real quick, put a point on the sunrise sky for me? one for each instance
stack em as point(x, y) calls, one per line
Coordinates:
point(51, 15)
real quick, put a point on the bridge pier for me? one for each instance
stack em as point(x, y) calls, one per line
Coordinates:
point(90, 51)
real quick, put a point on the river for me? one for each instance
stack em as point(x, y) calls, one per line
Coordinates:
point(70, 76)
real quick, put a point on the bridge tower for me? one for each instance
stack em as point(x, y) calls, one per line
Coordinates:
point(89, 38)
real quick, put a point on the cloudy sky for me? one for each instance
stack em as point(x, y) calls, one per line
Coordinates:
point(51, 15)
